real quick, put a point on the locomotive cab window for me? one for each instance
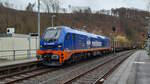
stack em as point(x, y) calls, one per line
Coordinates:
point(52, 33)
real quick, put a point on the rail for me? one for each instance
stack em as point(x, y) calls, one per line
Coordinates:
point(87, 75)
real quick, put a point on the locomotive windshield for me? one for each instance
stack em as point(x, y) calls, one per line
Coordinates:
point(52, 34)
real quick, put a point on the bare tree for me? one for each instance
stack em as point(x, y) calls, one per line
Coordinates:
point(64, 10)
point(148, 6)
point(30, 7)
point(7, 4)
point(88, 10)
point(52, 5)
point(56, 6)
point(48, 5)
point(1, 3)
point(69, 6)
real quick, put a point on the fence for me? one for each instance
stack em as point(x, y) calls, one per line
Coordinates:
point(17, 54)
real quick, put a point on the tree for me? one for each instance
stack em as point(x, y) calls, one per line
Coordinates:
point(30, 7)
point(122, 40)
point(1, 3)
point(64, 10)
point(7, 4)
point(56, 7)
point(88, 10)
point(69, 7)
point(52, 5)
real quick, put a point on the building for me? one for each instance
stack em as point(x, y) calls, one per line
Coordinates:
point(17, 46)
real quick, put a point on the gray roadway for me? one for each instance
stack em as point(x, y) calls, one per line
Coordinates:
point(135, 70)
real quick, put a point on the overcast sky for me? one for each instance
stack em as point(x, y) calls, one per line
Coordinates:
point(107, 4)
point(93, 4)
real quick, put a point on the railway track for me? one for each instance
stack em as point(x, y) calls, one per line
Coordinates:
point(9, 70)
point(89, 73)
point(76, 75)
point(17, 72)
point(26, 75)
point(98, 74)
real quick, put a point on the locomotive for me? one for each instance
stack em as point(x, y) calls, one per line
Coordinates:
point(62, 44)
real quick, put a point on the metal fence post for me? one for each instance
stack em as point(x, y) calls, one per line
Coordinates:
point(14, 55)
point(28, 53)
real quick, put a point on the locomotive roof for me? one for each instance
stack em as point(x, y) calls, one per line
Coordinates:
point(68, 29)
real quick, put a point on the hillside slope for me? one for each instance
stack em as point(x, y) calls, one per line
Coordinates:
point(128, 22)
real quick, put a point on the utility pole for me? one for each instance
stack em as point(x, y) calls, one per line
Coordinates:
point(148, 40)
point(39, 23)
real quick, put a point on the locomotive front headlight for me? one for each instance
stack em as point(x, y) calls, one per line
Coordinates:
point(59, 46)
point(55, 57)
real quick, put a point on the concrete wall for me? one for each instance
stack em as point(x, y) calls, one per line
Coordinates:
point(20, 45)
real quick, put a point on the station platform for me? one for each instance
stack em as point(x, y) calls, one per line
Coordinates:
point(4, 63)
point(134, 70)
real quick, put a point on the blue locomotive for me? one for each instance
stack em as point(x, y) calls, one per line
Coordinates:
point(62, 44)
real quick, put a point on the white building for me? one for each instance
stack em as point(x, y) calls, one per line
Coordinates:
point(17, 46)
